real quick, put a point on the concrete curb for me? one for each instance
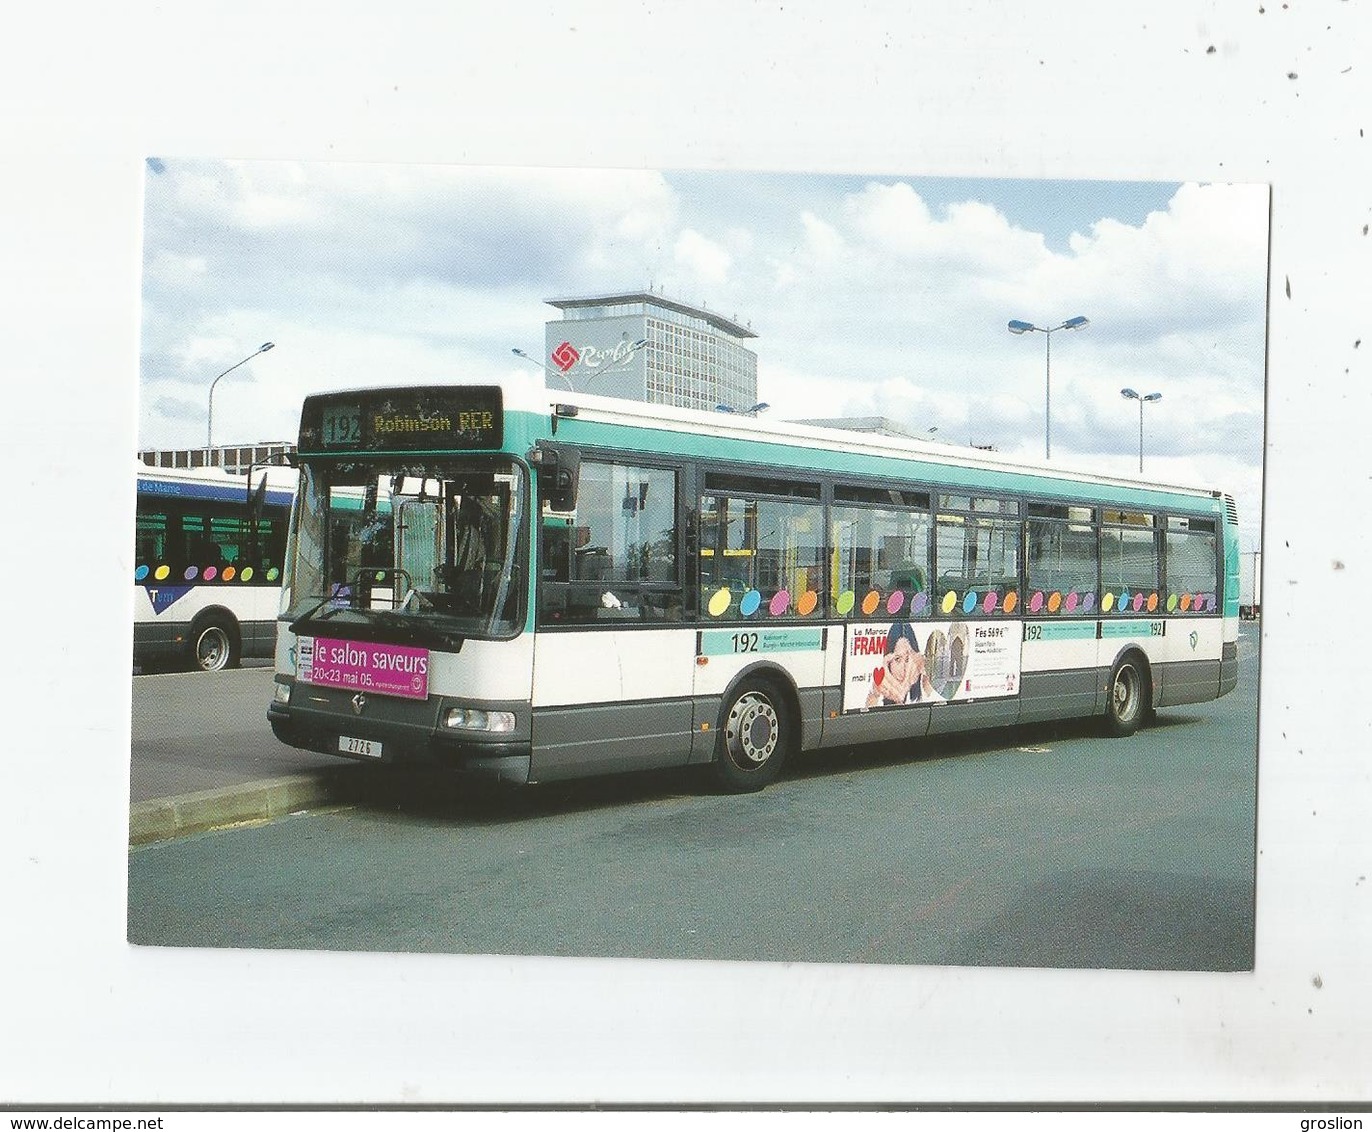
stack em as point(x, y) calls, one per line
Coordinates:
point(161, 818)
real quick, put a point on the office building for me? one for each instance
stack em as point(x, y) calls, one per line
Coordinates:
point(645, 347)
point(231, 457)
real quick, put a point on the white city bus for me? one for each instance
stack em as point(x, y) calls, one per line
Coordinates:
point(537, 590)
point(208, 551)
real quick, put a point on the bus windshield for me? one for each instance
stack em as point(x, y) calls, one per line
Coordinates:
point(409, 549)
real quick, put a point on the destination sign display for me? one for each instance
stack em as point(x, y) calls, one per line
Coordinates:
point(411, 420)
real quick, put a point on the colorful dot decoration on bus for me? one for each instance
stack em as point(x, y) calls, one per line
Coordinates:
point(163, 571)
point(778, 605)
point(989, 603)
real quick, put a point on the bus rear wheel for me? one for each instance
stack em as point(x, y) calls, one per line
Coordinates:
point(214, 645)
point(754, 736)
point(1127, 700)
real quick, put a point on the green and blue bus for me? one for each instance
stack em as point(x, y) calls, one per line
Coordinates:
point(534, 587)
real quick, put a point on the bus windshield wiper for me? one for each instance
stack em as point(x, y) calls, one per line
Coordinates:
point(417, 632)
point(310, 614)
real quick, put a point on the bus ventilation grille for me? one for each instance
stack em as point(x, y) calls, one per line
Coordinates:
point(1230, 510)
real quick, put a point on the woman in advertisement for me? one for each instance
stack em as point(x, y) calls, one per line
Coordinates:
point(903, 679)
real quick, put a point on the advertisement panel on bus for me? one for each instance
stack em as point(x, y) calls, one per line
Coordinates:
point(904, 662)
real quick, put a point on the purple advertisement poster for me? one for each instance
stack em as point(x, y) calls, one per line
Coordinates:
point(364, 666)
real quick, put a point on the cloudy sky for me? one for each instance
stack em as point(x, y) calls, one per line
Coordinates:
point(881, 294)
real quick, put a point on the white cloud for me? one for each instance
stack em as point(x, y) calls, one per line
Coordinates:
point(702, 258)
point(175, 270)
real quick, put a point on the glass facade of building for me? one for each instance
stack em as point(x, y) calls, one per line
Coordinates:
point(697, 369)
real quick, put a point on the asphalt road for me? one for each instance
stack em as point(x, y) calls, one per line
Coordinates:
point(1044, 846)
point(196, 731)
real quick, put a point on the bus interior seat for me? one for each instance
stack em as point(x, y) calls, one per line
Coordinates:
point(908, 578)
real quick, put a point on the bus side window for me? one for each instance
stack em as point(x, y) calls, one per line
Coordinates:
point(555, 563)
point(616, 559)
point(151, 539)
point(909, 578)
point(883, 547)
point(756, 549)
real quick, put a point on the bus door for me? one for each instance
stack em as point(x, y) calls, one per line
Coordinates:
point(613, 662)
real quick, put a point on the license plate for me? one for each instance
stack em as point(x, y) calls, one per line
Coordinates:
point(367, 748)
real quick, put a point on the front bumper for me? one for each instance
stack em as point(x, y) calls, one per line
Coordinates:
point(410, 731)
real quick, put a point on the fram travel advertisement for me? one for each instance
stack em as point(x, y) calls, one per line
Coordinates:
point(903, 662)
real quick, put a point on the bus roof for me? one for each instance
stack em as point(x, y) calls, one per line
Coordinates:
point(849, 442)
point(216, 483)
point(800, 442)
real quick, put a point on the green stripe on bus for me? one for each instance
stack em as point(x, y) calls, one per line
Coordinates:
point(729, 642)
point(1132, 628)
point(813, 462)
point(1069, 631)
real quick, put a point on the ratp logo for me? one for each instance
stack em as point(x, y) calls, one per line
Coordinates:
point(566, 356)
point(1195, 640)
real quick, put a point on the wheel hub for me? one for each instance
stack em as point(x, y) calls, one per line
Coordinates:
point(1124, 694)
point(212, 650)
point(752, 731)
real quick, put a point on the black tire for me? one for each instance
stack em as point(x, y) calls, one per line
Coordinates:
point(214, 645)
point(753, 740)
point(1128, 697)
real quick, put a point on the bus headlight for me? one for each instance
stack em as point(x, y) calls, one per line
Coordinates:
point(281, 693)
point(477, 719)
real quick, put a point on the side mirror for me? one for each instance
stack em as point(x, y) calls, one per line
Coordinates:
point(558, 469)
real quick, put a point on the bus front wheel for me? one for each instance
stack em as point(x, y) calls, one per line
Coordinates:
point(754, 735)
point(1128, 697)
point(214, 645)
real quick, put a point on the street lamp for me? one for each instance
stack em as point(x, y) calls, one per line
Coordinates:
point(619, 363)
point(1018, 327)
point(1130, 395)
point(209, 423)
point(750, 411)
point(518, 353)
